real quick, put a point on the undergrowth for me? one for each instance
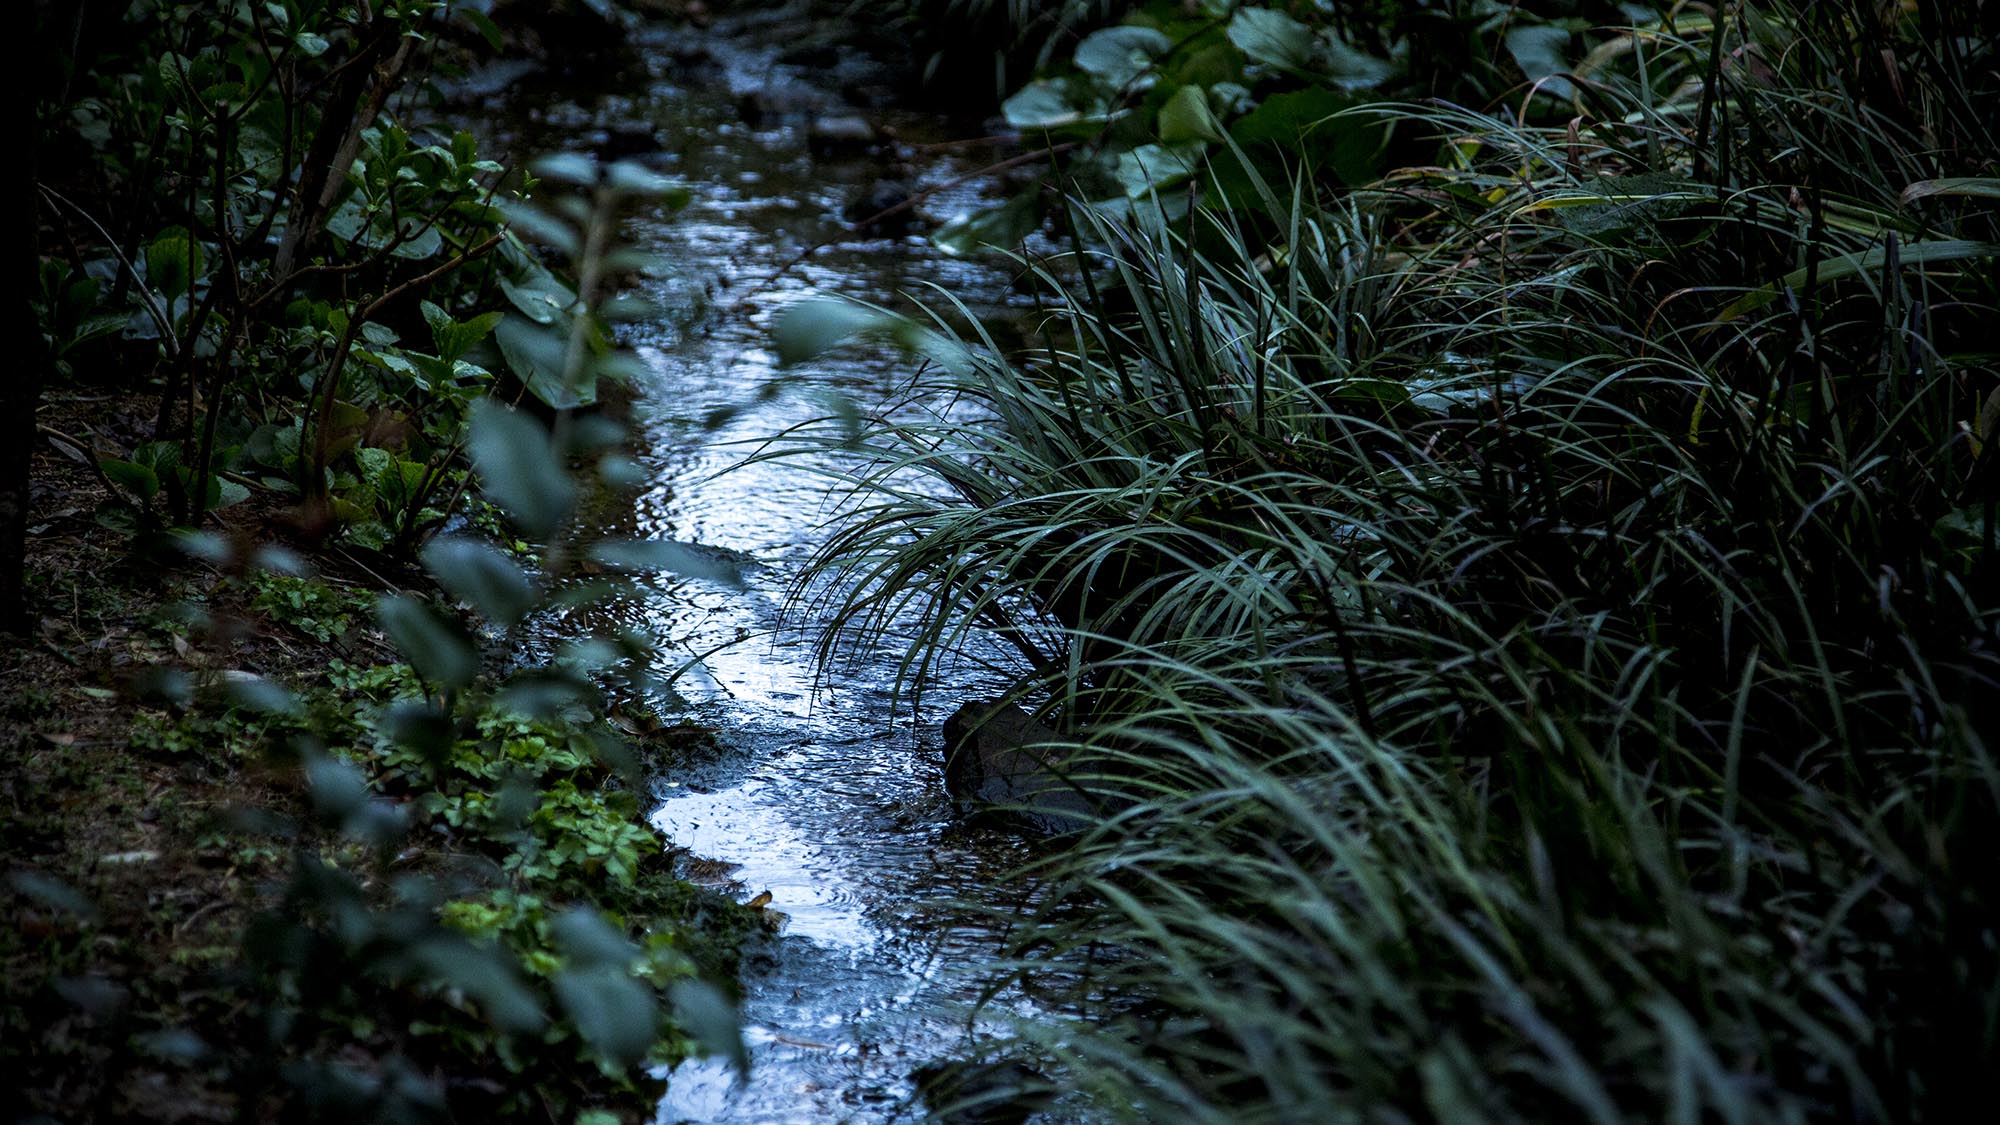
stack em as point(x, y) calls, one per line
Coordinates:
point(1528, 618)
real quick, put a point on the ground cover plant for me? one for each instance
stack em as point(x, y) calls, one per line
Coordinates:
point(1517, 566)
point(293, 830)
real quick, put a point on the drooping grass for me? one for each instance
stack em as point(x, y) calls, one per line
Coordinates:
point(1534, 621)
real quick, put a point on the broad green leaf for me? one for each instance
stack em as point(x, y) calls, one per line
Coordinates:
point(567, 167)
point(1352, 69)
point(1303, 125)
point(812, 327)
point(480, 576)
point(138, 480)
point(338, 787)
point(537, 356)
point(484, 25)
point(690, 560)
point(1213, 64)
point(1152, 168)
point(1187, 117)
point(616, 1014)
point(1041, 104)
point(1119, 56)
point(418, 241)
point(1003, 226)
point(482, 974)
point(438, 650)
point(512, 453)
point(708, 1016)
point(225, 493)
point(173, 262)
point(1538, 51)
point(1271, 37)
point(588, 940)
point(541, 298)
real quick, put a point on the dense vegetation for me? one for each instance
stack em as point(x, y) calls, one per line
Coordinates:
point(1500, 504)
point(1506, 513)
point(322, 520)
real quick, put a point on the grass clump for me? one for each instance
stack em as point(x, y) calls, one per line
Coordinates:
point(1530, 618)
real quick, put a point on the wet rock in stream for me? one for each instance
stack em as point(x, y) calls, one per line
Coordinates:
point(1002, 764)
point(882, 208)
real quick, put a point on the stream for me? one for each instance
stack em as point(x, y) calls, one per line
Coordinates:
point(826, 792)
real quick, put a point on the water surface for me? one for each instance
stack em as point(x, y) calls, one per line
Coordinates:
point(826, 793)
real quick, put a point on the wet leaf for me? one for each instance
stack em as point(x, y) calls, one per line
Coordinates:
point(438, 650)
point(810, 328)
point(537, 356)
point(138, 480)
point(1187, 117)
point(173, 262)
point(1152, 168)
point(264, 696)
point(540, 297)
point(588, 940)
point(1003, 226)
point(481, 974)
point(1041, 104)
point(615, 1013)
point(1271, 37)
point(481, 576)
point(1975, 187)
point(1538, 51)
point(513, 455)
point(707, 1015)
point(690, 560)
point(338, 788)
point(1352, 69)
point(1838, 266)
point(1118, 56)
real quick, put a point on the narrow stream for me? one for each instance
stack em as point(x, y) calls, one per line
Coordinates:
point(827, 794)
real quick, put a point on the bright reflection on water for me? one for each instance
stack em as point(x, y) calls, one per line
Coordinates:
point(825, 796)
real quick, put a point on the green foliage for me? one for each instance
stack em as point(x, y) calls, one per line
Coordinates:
point(565, 947)
point(331, 301)
point(1208, 99)
point(1526, 615)
point(312, 287)
point(315, 608)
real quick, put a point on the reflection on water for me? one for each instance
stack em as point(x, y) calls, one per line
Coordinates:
point(825, 796)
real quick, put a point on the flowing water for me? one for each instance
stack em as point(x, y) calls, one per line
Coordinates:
point(826, 793)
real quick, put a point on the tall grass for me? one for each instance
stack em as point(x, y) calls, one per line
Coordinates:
point(1536, 622)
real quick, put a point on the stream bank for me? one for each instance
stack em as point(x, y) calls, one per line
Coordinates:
point(823, 799)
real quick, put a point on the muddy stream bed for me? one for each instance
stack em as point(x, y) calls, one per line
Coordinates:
point(826, 791)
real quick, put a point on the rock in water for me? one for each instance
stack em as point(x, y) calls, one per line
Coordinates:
point(999, 760)
point(840, 133)
point(881, 196)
